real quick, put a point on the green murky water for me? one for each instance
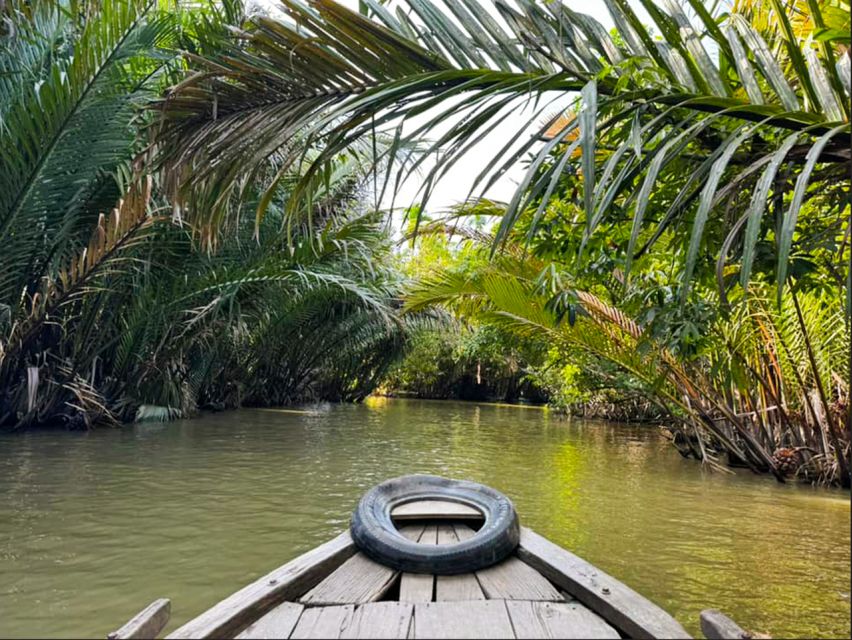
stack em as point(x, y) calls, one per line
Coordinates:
point(94, 526)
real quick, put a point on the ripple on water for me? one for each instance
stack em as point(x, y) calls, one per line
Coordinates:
point(96, 525)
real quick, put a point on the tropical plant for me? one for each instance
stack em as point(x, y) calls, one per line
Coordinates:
point(767, 392)
point(690, 117)
point(257, 324)
point(113, 311)
point(72, 81)
point(448, 357)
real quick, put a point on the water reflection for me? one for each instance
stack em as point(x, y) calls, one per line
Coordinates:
point(94, 526)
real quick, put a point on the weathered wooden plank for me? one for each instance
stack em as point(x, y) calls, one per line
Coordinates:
point(459, 587)
point(463, 531)
point(447, 534)
point(278, 623)
point(715, 625)
point(415, 587)
point(380, 620)
point(480, 619)
point(513, 579)
point(286, 582)
point(323, 622)
point(556, 620)
point(611, 599)
point(147, 623)
point(412, 531)
point(430, 534)
point(356, 581)
point(435, 510)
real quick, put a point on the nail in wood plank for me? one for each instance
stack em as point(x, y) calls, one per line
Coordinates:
point(415, 587)
point(278, 623)
point(556, 620)
point(323, 622)
point(479, 619)
point(379, 620)
point(356, 581)
point(614, 601)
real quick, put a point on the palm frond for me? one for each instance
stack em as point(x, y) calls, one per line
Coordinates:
point(67, 140)
point(327, 74)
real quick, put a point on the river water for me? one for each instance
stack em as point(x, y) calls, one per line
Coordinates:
point(94, 526)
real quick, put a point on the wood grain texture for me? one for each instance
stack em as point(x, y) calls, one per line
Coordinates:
point(435, 509)
point(447, 534)
point(323, 622)
point(287, 582)
point(464, 586)
point(513, 579)
point(147, 623)
point(416, 587)
point(412, 531)
point(480, 619)
point(278, 623)
point(356, 581)
point(611, 599)
point(430, 534)
point(380, 620)
point(556, 620)
point(715, 625)
point(457, 588)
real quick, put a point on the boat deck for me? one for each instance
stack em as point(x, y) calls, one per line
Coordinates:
point(336, 591)
point(364, 599)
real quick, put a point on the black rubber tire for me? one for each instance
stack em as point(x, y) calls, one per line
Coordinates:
point(374, 532)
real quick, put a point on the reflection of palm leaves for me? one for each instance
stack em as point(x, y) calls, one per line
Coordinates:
point(668, 113)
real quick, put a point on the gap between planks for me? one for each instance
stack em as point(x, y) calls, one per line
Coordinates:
point(418, 587)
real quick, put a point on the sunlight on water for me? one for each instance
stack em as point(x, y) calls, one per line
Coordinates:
point(95, 526)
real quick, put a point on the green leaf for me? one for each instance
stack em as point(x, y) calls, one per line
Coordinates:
point(757, 206)
point(788, 226)
point(588, 119)
point(744, 70)
point(767, 63)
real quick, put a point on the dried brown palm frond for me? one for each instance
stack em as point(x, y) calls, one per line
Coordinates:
point(113, 233)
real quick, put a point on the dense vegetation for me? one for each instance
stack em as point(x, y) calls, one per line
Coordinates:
point(678, 248)
point(111, 307)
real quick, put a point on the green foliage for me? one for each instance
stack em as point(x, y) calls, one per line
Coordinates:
point(115, 311)
point(745, 381)
point(675, 246)
point(562, 379)
point(668, 139)
point(466, 361)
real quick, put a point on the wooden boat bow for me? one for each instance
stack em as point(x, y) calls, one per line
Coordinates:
point(336, 591)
